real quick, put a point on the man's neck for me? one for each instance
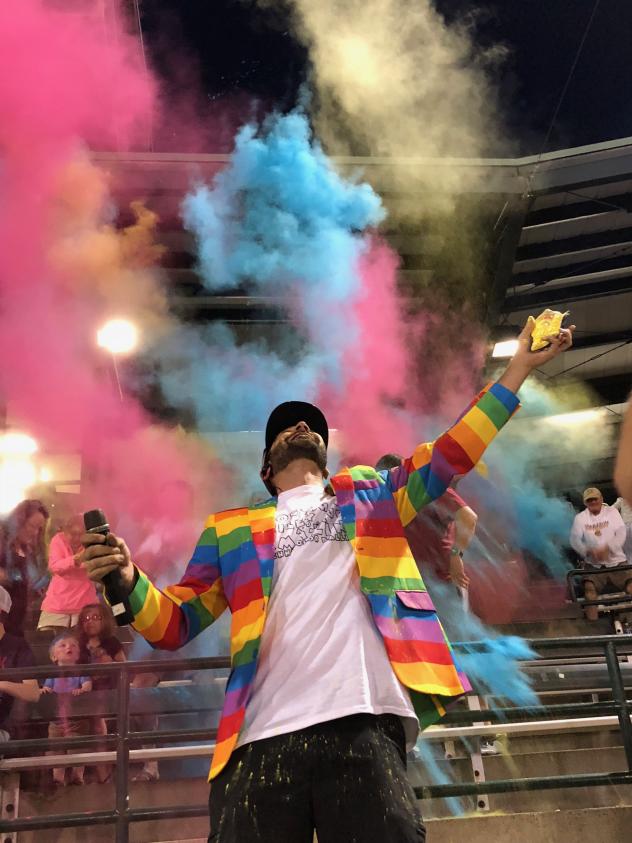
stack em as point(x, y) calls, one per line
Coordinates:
point(301, 472)
point(2, 631)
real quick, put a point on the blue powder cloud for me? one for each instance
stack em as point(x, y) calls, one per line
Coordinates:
point(280, 217)
point(279, 221)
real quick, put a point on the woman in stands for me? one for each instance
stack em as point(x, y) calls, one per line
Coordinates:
point(23, 560)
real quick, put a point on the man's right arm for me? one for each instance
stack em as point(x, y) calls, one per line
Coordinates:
point(168, 618)
point(576, 538)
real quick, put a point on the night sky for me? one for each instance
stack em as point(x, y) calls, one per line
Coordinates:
point(235, 47)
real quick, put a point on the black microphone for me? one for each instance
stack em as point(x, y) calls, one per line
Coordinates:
point(95, 522)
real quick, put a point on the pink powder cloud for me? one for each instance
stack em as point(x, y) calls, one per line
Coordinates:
point(69, 78)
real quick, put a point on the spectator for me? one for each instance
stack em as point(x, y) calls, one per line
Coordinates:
point(97, 642)
point(22, 559)
point(597, 536)
point(99, 645)
point(440, 533)
point(625, 510)
point(69, 589)
point(14, 652)
point(64, 650)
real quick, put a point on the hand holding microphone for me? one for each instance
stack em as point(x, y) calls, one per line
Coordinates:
point(107, 559)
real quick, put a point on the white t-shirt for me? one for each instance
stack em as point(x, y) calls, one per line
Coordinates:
point(321, 654)
point(605, 529)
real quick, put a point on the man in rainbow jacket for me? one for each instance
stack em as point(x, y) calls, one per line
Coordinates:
point(338, 657)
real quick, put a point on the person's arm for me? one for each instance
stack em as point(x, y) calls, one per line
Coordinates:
point(425, 476)
point(86, 685)
point(615, 545)
point(465, 522)
point(576, 538)
point(59, 561)
point(623, 462)
point(170, 618)
point(27, 690)
point(464, 527)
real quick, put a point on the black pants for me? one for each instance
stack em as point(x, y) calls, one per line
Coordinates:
point(346, 779)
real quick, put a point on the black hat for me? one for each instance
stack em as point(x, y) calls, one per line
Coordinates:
point(292, 412)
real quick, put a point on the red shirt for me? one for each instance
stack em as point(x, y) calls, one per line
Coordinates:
point(431, 534)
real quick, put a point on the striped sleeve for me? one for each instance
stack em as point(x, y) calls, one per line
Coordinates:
point(426, 475)
point(170, 618)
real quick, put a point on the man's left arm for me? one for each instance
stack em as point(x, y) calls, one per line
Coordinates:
point(425, 476)
point(620, 533)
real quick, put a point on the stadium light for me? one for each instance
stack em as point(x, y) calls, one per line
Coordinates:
point(13, 443)
point(118, 336)
point(17, 468)
point(505, 348)
point(577, 417)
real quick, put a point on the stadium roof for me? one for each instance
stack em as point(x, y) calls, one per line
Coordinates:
point(565, 242)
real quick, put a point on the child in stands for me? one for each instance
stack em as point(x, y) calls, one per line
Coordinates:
point(64, 650)
point(99, 645)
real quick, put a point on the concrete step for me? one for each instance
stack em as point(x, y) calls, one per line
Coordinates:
point(194, 791)
point(540, 763)
point(561, 627)
point(546, 743)
point(608, 825)
point(100, 797)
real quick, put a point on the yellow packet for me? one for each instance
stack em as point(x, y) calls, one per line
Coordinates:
point(547, 324)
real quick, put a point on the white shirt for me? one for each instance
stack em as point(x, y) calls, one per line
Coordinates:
point(605, 529)
point(321, 654)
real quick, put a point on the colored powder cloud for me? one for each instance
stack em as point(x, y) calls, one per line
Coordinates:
point(116, 269)
point(542, 453)
point(282, 222)
point(392, 79)
point(493, 664)
point(69, 78)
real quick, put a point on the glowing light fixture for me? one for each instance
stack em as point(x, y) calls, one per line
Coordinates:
point(118, 336)
point(577, 417)
point(45, 475)
point(17, 469)
point(506, 348)
point(13, 443)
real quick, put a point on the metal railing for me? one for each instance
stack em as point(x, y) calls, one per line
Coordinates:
point(615, 600)
point(619, 706)
point(122, 815)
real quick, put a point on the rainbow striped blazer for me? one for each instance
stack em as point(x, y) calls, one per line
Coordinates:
point(233, 563)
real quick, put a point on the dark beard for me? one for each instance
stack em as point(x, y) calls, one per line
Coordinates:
point(286, 452)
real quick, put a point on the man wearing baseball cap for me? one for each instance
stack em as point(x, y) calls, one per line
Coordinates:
point(14, 652)
point(338, 656)
point(597, 536)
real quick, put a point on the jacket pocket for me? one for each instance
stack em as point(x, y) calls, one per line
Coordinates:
point(415, 600)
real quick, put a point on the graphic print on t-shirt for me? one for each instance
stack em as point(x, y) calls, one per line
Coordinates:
point(296, 528)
